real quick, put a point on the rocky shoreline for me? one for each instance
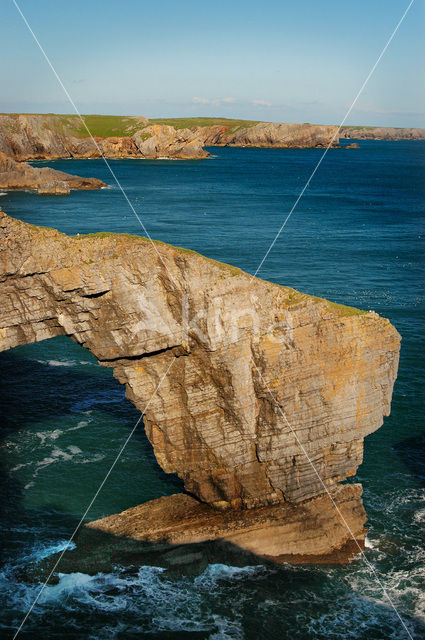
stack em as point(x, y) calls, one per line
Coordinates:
point(26, 137)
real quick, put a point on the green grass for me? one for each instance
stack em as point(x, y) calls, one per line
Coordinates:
point(122, 126)
point(340, 309)
point(111, 234)
point(106, 126)
point(190, 123)
point(98, 125)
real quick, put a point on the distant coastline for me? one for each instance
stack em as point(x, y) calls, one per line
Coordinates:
point(26, 137)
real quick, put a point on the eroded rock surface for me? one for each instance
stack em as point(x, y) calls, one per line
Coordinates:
point(383, 133)
point(253, 377)
point(21, 175)
point(308, 533)
point(33, 137)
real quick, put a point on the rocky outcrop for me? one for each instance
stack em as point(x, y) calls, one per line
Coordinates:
point(312, 532)
point(257, 396)
point(382, 133)
point(21, 175)
point(269, 134)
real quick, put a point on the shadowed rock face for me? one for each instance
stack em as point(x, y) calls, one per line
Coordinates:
point(253, 375)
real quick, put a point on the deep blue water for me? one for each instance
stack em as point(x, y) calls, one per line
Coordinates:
point(356, 237)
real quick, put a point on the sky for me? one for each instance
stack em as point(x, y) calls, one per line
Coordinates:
point(275, 60)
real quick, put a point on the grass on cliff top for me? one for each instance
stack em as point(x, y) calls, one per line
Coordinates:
point(341, 309)
point(98, 125)
point(190, 123)
point(124, 126)
point(295, 297)
point(107, 126)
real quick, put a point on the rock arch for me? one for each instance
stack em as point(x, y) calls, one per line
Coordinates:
point(245, 359)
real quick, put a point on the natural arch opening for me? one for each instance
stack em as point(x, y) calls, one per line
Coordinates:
point(63, 420)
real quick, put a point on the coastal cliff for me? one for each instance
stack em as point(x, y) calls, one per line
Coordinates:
point(257, 396)
point(34, 137)
point(382, 133)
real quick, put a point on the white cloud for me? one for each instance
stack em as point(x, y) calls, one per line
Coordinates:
point(213, 101)
point(261, 103)
point(201, 100)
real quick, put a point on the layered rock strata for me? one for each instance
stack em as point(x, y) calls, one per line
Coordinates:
point(34, 137)
point(256, 395)
point(21, 175)
point(312, 532)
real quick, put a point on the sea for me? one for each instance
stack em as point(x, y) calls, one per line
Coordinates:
point(357, 238)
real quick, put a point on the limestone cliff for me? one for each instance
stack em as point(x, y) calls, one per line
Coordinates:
point(256, 372)
point(31, 137)
point(383, 133)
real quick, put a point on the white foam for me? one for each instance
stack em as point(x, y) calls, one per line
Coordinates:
point(53, 435)
point(73, 449)
point(370, 544)
point(80, 425)
point(45, 462)
point(61, 363)
point(419, 516)
point(21, 466)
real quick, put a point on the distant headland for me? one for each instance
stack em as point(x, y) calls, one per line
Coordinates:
point(26, 137)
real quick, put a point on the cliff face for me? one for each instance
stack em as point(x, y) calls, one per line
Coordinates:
point(32, 137)
point(382, 133)
point(255, 370)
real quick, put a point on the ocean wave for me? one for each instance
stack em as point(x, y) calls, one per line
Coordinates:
point(57, 363)
point(151, 601)
point(61, 363)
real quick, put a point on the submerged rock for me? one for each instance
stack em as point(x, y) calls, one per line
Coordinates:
point(256, 395)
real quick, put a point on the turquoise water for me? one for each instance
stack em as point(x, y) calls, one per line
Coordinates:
point(356, 238)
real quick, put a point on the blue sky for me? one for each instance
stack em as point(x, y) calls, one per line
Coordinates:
point(295, 61)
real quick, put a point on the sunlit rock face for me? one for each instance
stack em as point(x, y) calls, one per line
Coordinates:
point(21, 175)
point(45, 136)
point(254, 394)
